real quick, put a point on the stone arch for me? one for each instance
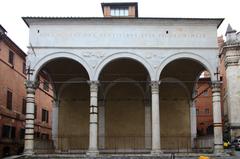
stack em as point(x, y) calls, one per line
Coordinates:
point(123, 79)
point(186, 55)
point(179, 82)
point(67, 84)
point(55, 55)
point(123, 55)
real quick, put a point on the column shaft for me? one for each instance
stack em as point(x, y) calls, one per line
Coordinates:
point(93, 125)
point(55, 124)
point(155, 118)
point(217, 118)
point(193, 122)
point(29, 125)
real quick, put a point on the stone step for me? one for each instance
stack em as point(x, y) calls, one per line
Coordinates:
point(121, 156)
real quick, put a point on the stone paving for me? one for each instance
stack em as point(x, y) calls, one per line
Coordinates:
point(229, 154)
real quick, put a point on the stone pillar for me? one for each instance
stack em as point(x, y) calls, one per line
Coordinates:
point(101, 127)
point(193, 122)
point(217, 117)
point(93, 124)
point(55, 123)
point(29, 126)
point(155, 119)
point(232, 65)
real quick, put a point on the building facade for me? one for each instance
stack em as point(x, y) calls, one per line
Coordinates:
point(204, 109)
point(123, 83)
point(13, 99)
point(229, 62)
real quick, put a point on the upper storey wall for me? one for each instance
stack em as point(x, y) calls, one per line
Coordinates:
point(136, 33)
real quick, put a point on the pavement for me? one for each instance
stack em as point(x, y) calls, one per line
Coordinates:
point(233, 153)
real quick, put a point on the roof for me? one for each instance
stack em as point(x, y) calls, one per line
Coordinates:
point(230, 30)
point(12, 45)
point(28, 20)
point(2, 29)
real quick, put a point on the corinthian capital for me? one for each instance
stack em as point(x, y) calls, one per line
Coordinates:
point(31, 84)
point(93, 85)
point(216, 86)
point(155, 85)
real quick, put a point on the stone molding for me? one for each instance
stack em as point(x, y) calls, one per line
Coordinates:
point(232, 57)
point(216, 86)
point(155, 86)
point(93, 86)
point(31, 86)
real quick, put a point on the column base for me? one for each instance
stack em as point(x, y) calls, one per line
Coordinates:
point(28, 152)
point(156, 152)
point(218, 149)
point(92, 153)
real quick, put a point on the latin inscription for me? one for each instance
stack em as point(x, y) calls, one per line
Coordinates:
point(124, 35)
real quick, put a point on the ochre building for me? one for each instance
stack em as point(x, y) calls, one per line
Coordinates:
point(13, 100)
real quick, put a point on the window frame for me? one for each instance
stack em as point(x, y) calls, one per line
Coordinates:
point(24, 68)
point(10, 133)
point(46, 85)
point(9, 102)
point(24, 106)
point(11, 57)
point(119, 11)
point(45, 115)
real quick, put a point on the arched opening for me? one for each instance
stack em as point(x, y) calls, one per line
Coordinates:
point(125, 89)
point(177, 95)
point(69, 90)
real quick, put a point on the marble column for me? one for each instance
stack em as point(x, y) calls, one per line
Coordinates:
point(55, 123)
point(29, 126)
point(156, 149)
point(217, 117)
point(193, 122)
point(93, 124)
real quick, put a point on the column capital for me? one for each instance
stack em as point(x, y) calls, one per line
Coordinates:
point(216, 86)
point(155, 84)
point(93, 85)
point(31, 86)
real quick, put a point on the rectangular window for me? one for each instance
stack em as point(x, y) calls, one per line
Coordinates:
point(206, 111)
point(11, 57)
point(9, 100)
point(37, 135)
point(24, 68)
point(23, 106)
point(205, 93)
point(44, 115)
point(46, 85)
point(8, 132)
point(121, 11)
point(35, 111)
point(197, 111)
point(22, 133)
point(45, 136)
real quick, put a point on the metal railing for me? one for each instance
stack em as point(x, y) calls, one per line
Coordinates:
point(124, 144)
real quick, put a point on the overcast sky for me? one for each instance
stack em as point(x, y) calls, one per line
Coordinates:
point(11, 12)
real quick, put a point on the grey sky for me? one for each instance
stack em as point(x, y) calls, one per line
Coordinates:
point(12, 10)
